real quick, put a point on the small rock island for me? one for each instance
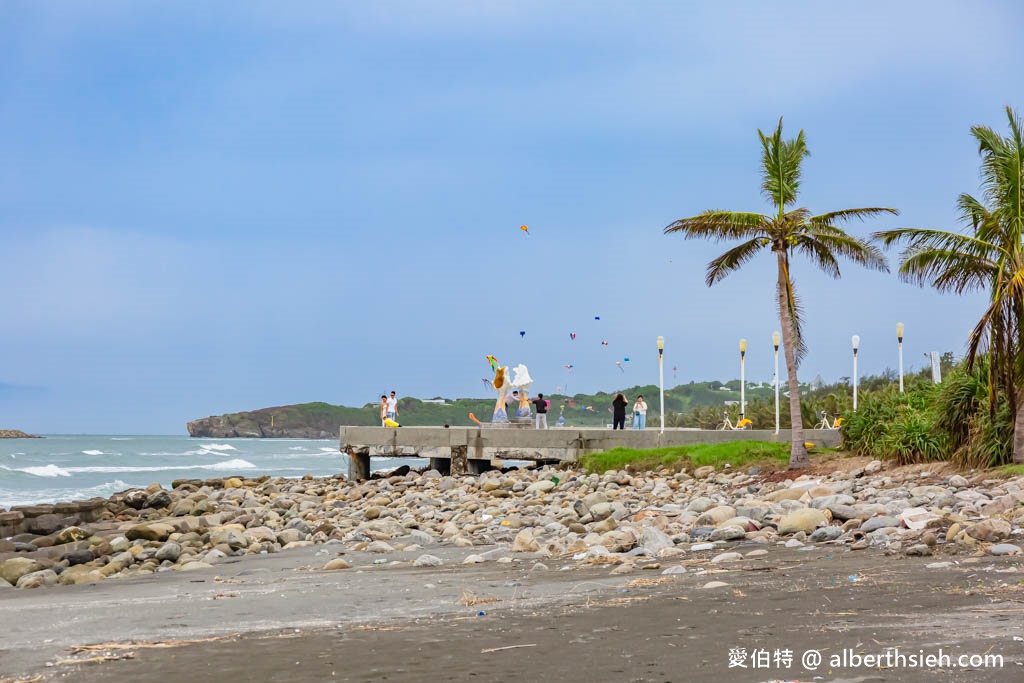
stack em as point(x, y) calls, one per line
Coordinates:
point(16, 434)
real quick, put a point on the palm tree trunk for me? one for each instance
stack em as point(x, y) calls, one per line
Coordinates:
point(798, 457)
point(1018, 429)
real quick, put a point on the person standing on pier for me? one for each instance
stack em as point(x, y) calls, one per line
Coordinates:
point(383, 408)
point(639, 413)
point(542, 411)
point(619, 412)
point(393, 407)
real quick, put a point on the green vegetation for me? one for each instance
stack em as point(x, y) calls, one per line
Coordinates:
point(794, 231)
point(734, 453)
point(990, 259)
point(950, 421)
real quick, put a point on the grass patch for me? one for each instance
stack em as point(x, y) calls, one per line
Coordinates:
point(735, 453)
point(1007, 471)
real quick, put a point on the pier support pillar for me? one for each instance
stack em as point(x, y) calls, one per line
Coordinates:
point(442, 465)
point(477, 466)
point(459, 461)
point(360, 470)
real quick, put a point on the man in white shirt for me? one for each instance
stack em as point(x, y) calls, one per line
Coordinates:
point(393, 407)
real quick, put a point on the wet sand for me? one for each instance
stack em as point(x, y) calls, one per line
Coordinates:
point(276, 620)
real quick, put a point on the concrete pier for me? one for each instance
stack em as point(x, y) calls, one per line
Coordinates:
point(460, 450)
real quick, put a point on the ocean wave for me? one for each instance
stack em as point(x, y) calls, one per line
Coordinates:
point(92, 453)
point(236, 464)
point(330, 450)
point(217, 447)
point(45, 471)
point(9, 498)
point(296, 448)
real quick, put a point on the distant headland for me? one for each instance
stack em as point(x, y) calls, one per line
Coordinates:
point(16, 434)
point(321, 420)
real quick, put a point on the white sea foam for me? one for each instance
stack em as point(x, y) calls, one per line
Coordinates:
point(10, 498)
point(92, 452)
point(296, 448)
point(329, 450)
point(218, 447)
point(45, 471)
point(236, 464)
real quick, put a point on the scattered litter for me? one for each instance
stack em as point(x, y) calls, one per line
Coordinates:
point(469, 598)
point(380, 561)
point(853, 577)
point(507, 647)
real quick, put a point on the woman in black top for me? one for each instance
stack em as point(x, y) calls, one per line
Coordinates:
point(619, 412)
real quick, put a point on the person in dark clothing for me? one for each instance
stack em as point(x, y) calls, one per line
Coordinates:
point(619, 412)
point(542, 411)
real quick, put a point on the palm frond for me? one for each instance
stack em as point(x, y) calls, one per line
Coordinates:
point(734, 258)
point(946, 270)
point(818, 253)
point(720, 225)
point(847, 246)
point(795, 310)
point(845, 215)
point(918, 239)
point(972, 212)
point(780, 161)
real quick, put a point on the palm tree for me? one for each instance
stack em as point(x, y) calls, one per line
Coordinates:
point(789, 231)
point(992, 259)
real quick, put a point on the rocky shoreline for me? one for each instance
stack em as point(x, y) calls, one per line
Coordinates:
point(661, 521)
point(16, 434)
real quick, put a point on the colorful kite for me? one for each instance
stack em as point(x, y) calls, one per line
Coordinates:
point(604, 343)
point(619, 363)
point(626, 359)
point(569, 367)
point(524, 229)
point(572, 336)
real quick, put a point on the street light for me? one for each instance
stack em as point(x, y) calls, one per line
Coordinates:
point(856, 345)
point(899, 339)
point(743, 383)
point(661, 378)
point(776, 337)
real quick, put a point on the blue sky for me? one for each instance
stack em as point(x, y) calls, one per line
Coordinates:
point(211, 207)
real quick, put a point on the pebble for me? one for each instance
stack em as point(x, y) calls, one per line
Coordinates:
point(427, 561)
point(616, 518)
point(1004, 549)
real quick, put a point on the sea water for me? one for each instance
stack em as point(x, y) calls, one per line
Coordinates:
point(75, 467)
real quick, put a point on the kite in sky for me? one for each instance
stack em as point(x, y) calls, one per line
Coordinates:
point(572, 336)
point(597, 317)
point(569, 367)
point(522, 334)
point(604, 343)
point(626, 359)
point(619, 363)
point(525, 229)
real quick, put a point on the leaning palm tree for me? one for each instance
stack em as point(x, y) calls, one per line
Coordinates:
point(788, 231)
point(992, 259)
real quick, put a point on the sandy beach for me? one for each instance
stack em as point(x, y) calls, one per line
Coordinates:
point(276, 617)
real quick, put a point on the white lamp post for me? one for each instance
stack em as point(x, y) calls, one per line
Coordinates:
point(661, 378)
point(856, 345)
point(776, 337)
point(743, 382)
point(899, 339)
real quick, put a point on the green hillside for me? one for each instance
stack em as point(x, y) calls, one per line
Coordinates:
point(580, 410)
